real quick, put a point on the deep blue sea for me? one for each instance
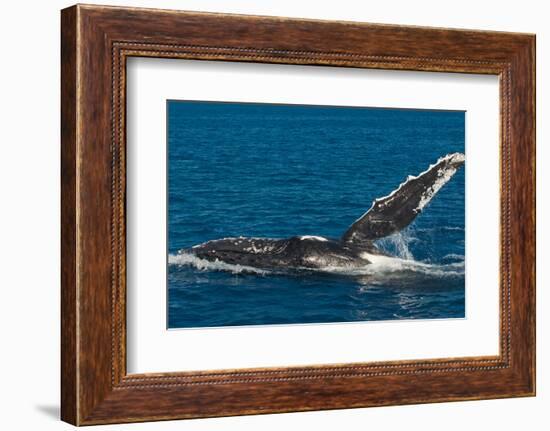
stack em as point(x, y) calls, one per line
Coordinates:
point(278, 171)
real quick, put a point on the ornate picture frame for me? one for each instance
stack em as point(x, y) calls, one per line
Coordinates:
point(96, 41)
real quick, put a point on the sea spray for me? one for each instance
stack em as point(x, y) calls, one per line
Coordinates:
point(186, 259)
point(398, 244)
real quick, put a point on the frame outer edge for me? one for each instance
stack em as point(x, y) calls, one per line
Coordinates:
point(529, 62)
point(523, 216)
point(532, 101)
point(69, 196)
point(87, 396)
point(533, 54)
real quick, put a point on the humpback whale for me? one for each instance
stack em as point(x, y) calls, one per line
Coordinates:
point(387, 215)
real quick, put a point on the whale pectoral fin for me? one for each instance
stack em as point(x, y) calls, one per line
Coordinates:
point(396, 211)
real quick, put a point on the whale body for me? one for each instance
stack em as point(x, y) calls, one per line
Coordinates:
point(387, 215)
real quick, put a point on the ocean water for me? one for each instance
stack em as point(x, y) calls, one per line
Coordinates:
point(278, 171)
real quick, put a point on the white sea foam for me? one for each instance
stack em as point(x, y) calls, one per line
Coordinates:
point(379, 266)
point(459, 257)
point(188, 259)
point(383, 266)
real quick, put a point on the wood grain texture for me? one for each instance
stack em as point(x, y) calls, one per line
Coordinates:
point(69, 366)
point(96, 41)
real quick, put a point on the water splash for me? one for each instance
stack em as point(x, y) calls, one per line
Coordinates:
point(387, 267)
point(398, 244)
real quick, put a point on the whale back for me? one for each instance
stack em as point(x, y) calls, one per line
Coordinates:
point(294, 252)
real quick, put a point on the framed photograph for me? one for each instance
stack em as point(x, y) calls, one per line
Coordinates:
point(264, 215)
